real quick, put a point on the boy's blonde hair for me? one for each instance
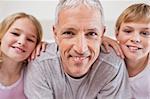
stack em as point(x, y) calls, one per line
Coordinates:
point(134, 13)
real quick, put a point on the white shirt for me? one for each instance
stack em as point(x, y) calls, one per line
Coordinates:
point(140, 84)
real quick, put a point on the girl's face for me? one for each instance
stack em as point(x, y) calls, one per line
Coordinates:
point(134, 39)
point(19, 40)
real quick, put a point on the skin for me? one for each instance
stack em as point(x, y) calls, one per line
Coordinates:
point(16, 45)
point(134, 39)
point(78, 34)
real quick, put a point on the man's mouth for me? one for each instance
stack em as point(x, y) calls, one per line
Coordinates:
point(78, 59)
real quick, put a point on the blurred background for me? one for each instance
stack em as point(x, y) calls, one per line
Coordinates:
point(44, 11)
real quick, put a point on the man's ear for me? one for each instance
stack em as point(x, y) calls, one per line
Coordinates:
point(55, 33)
point(54, 30)
point(104, 31)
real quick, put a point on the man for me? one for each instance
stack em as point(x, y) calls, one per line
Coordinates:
point(75, 67)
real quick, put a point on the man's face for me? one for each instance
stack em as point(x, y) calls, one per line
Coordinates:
point(78, 35)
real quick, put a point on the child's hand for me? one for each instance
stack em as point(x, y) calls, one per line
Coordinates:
point(40, 47)
point(108, 42)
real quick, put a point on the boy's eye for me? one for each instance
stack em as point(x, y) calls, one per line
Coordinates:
point(145, 34)
point(127, 31)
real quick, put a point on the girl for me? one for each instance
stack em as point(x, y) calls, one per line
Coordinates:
point(20, 34)
point(133, 36)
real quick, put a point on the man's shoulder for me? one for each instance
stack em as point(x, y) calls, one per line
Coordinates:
point(111, 58)
point(48, 60)
point(51, 52)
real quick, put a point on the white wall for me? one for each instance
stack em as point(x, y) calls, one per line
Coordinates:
point(113, 8)
point(44, 10)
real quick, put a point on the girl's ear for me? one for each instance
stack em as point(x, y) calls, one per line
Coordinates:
point(1, 56)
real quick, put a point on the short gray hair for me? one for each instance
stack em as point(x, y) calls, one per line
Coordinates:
point(66, 4)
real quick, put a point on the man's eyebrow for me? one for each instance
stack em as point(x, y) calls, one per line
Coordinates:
point(147, 28)
point(93, 29)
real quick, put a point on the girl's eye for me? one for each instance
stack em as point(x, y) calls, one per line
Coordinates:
point(30, 40)
point(14, 33)
point(145, 34)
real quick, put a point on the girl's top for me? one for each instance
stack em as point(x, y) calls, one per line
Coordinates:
point(14, 91)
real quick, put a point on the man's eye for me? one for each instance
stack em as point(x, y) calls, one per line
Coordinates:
point(14, 33)
point(68, 33)
point(92, 34)
point(145, 34)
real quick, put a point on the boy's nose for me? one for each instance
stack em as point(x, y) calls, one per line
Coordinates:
point(136, 38)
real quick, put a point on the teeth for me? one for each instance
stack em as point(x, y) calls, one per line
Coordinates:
point(133, 48)
point(18, 49)
point(78, 59)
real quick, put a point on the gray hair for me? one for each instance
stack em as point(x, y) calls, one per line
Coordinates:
point(66, 4)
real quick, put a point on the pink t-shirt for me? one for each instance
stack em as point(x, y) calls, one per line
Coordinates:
point(14, 91)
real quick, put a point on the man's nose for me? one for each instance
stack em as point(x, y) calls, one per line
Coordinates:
point(81, 45)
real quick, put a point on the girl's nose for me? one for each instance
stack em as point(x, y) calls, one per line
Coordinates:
point(21, 40)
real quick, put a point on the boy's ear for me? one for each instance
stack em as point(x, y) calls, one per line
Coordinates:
point(116, 34)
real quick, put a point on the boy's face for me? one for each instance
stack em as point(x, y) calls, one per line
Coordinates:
point(78, 35)
point(134, 39)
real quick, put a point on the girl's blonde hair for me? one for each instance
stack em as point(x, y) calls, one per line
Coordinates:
point(134, 13)
point(8, 21)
